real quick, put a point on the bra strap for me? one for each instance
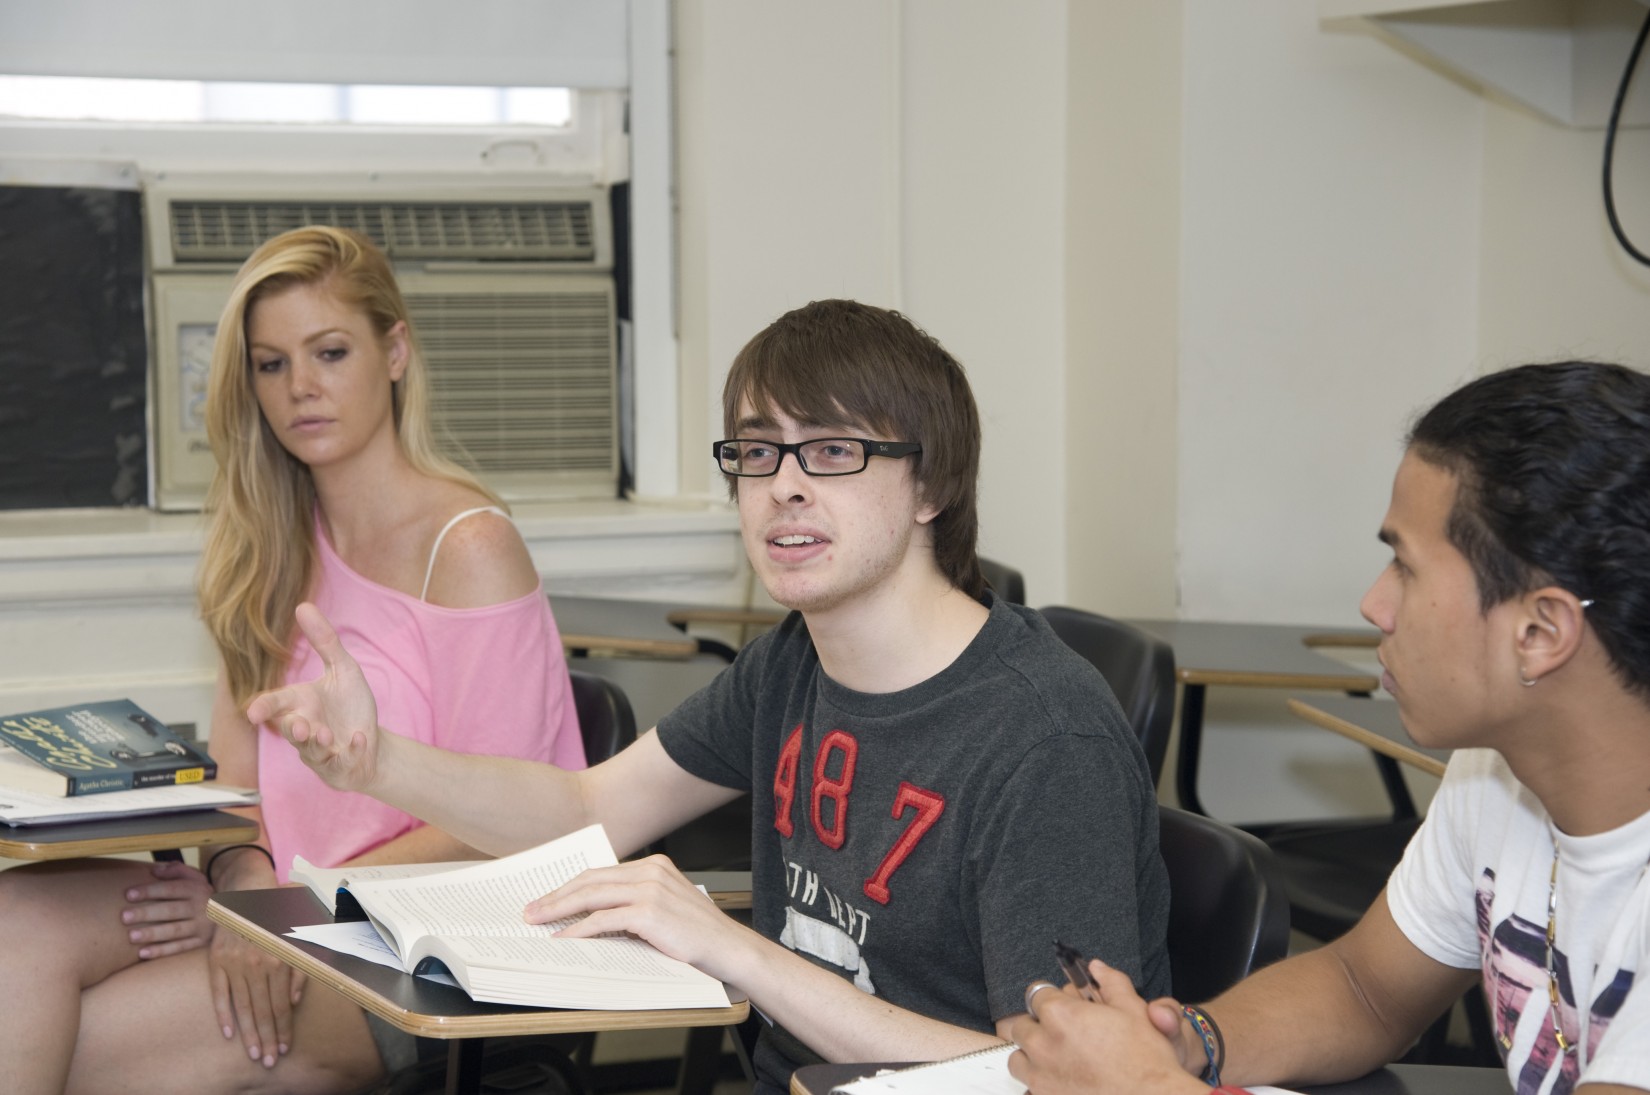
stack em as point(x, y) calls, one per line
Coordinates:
point(430, 570)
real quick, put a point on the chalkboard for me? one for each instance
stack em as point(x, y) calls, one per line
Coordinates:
point(73, 356)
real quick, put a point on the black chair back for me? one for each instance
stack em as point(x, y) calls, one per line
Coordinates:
point(1228, 909)
point(1139, 667)
point(1004, 580)
point(605, 720)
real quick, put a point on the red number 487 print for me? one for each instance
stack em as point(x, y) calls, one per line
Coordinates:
point(928, 805)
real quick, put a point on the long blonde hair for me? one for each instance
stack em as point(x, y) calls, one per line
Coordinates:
point(260, 556)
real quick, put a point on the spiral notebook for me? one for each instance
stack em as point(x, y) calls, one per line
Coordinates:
point(983, 1072)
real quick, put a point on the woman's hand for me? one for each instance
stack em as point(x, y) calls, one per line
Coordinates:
point(168, 916)
point(1120, 1043)
point(333, 720)
point(254, 992)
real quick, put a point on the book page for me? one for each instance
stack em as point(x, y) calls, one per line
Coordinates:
point(358, 939)
point(324, 882)
point(486, 898)
point(543, 971)
point(603, 958)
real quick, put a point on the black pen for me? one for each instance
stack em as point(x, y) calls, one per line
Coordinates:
point(1076, 969)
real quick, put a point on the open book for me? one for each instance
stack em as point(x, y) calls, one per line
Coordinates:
point(466, 920)
point(331, 885)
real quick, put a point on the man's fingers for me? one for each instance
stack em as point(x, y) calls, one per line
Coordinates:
point(267, 706)
point(1165, 1015)
point(605, 887)
point(1114, 986)
point(297, 730)
point(322, 637)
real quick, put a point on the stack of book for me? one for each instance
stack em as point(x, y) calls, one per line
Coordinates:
point(107, 759)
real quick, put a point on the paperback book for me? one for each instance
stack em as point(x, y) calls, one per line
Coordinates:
point(465, 921)
point(93, 748)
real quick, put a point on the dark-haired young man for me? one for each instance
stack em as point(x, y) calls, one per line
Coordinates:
point(940, 787)
point(1515, 621)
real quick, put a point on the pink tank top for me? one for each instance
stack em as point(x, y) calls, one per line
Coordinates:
point(475, 680)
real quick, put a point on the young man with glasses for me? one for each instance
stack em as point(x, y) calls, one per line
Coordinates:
point(941, 788)
point(1515, 629)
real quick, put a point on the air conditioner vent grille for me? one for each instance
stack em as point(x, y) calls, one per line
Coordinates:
point(492, 231)
point(522, 381)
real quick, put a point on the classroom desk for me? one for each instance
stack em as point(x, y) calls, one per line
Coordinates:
point(1373, 724)
point(118, 836)
point(728, 890)
point(683, 615)
point(417, 1005)
point(613, 624)
point(1251, 656)
point(1392, 1080)
point(655, 629)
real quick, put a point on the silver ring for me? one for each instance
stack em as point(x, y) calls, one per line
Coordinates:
point(1031, 995)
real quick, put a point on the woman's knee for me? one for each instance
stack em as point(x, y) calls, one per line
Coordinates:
point(71, 907)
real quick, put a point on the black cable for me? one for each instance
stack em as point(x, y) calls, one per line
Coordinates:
point(1610, 146)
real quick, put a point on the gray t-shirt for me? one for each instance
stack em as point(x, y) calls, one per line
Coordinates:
point(931, 844)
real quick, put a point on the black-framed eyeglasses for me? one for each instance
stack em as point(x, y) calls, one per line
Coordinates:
point(753, 457)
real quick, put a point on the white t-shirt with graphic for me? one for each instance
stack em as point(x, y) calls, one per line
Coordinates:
point(1472, 890)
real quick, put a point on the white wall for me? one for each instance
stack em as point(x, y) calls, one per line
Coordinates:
point(887, 153)
point(788, 177)
point(983, 244)
point(1555, 282)
point(1122, 286)
point(1329, 257)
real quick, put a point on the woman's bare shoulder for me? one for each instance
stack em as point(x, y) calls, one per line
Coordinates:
point(482, 559)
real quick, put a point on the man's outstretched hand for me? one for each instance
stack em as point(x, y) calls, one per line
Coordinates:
point(333, 719)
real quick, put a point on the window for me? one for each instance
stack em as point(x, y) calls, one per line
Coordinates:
point(182, 101)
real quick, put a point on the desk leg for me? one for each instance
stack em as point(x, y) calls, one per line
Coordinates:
point(1392, 777)
point(701, 1061)
point(464, 1066)
point(1191, 739)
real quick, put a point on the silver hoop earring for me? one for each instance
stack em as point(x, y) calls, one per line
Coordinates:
point(1525, 681)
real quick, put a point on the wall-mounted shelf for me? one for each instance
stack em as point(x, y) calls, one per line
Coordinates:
point(1561, 58)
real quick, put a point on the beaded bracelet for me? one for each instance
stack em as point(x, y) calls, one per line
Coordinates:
point(212, 860)
point(1214, 1045)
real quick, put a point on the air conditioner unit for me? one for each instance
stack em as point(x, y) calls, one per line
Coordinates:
point(511, 292)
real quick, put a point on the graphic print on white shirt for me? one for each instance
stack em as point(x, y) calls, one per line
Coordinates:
point(1517, 985)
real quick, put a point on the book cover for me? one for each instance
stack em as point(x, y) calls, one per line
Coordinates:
point(466, 922)
point(92, 748)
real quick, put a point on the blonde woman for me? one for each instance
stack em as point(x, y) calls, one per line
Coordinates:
point(329, 489)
